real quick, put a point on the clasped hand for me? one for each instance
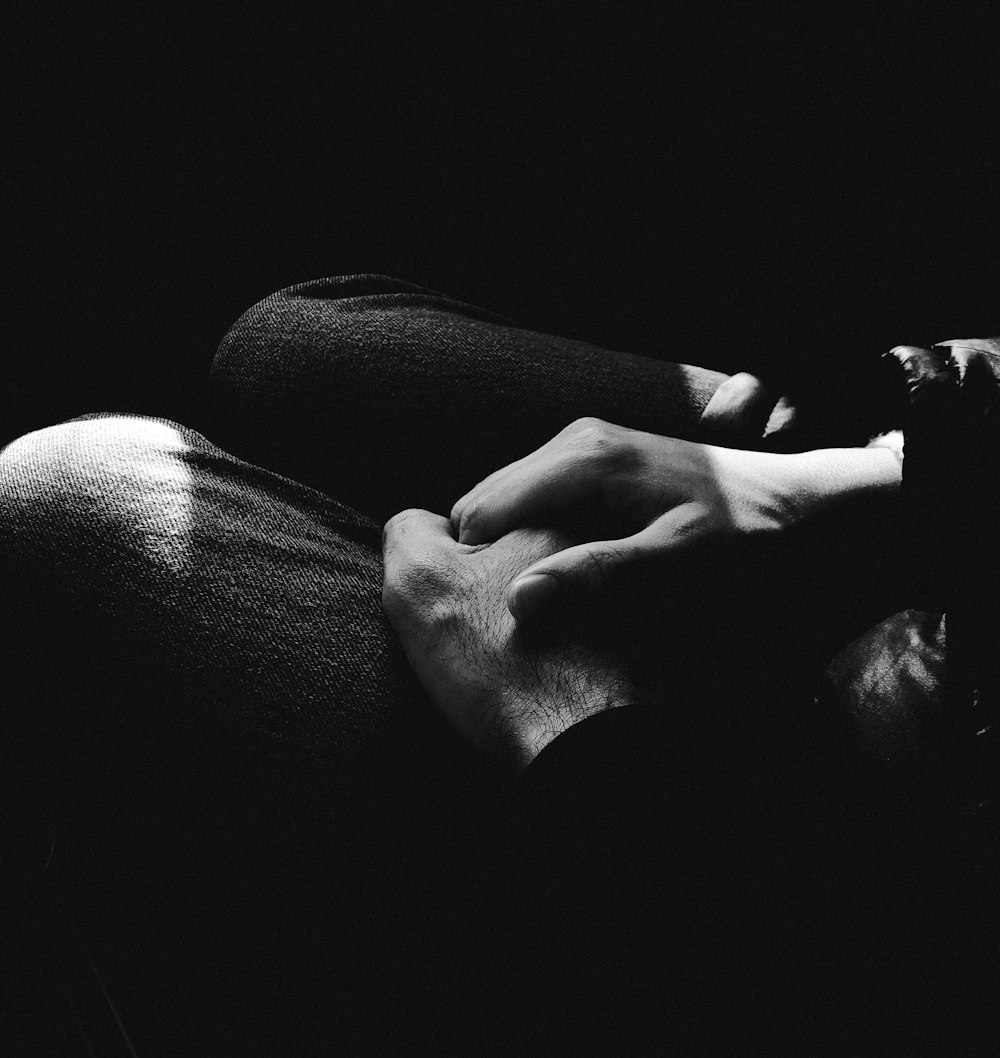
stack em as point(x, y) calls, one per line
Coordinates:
point(631, 497)
point(458, 592)
point(563, 526)
point(507, 692)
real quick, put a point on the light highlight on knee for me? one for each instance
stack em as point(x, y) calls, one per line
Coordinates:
point(119, 472)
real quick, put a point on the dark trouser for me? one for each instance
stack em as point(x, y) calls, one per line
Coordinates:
point(386, 396)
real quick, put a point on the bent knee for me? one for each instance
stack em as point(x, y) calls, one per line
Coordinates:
point(114, 476)
point(296, 331)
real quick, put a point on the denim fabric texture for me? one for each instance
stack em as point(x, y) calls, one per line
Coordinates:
point(262, 591)
point(389, 396)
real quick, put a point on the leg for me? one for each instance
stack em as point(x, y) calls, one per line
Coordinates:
point(255, 592)
point(236, 796)
point(209, 736)
point(389, 396)
point(230, 764)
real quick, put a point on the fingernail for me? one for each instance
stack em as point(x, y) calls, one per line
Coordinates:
point(532, 593)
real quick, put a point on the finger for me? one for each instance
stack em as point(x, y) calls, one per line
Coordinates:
point(564, 471)
point(491, 484)
point(468, 509)
point(529, 499)
point(738, 411)
point(591, 570)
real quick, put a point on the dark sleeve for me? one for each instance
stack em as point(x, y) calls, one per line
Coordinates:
point(951, 493)
point(679, 871)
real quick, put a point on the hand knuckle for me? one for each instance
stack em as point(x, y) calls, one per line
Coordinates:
point(604, 443)
point(409, 515)
point(588, 428)
point(418, 578)
point(394, 526)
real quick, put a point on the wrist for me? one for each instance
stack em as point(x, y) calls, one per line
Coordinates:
point(827, 478)
point(578, 697)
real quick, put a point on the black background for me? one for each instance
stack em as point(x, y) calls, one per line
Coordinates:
point(738, 185)
point(773, 187)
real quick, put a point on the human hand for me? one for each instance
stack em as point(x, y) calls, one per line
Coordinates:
point(508, 692)
point(630, 497)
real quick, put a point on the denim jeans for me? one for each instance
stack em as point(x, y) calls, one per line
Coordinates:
point(211, 736)
point(386, 396)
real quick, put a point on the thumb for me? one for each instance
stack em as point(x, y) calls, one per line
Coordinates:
point(587, 570)
point(592, 570)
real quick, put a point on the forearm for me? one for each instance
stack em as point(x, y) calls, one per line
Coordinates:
point(829, 478)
